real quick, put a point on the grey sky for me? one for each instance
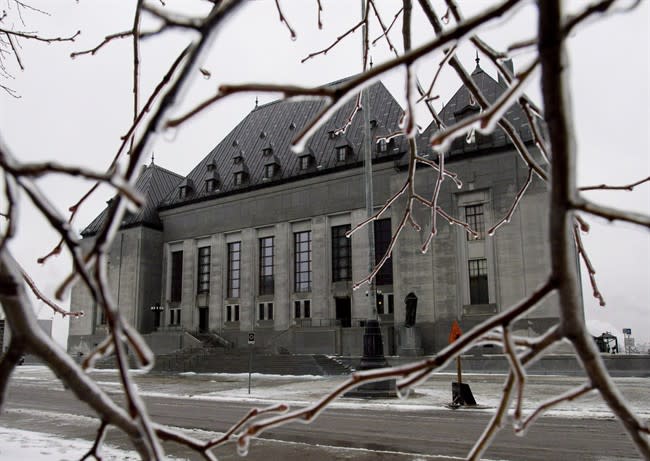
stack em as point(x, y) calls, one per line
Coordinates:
point(76, 110)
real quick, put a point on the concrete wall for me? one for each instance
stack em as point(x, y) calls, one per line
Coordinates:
point(134, 275)
point(279, 213)
point(517, 256)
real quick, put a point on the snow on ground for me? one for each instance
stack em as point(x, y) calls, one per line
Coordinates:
point(37, 446)
point(433, 394)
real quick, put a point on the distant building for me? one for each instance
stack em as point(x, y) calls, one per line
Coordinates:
point(5, 332)
point(253, 238)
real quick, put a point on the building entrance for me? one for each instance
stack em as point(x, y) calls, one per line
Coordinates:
point(203, 319)
point(344, 312)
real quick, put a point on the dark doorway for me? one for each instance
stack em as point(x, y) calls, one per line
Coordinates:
point(156, 319)
point(203, 319)
point(344, 312)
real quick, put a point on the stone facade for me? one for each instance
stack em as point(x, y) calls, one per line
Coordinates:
point(247, 241)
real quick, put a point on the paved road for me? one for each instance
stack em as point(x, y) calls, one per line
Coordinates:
point(448, 433)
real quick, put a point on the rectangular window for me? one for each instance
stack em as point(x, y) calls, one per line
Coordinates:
point(342, 153)
point(302, 260)
point(305, 162)
point(203, 284)
point(177, 276)
point(475, 218)
point(211, 185)
point(385, 303)
point(341, 254)
point(266, 266)
point(302, 309)
point(382, 241)
point(478, 281)
point(234, 269)
point(175, 316)
point(232, 313)
point(265, 311)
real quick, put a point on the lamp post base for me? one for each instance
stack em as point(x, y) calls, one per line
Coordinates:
point(373, 358)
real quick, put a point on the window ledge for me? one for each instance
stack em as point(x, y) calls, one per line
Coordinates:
point(474, 310)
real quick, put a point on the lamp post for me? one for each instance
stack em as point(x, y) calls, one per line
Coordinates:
point(157, 310)
point(373, 345)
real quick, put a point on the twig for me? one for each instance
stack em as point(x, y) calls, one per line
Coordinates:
point(386, 30)
point(611, 214)
point(55, 307)
point(515, 203)
point(628, 187)
point(577, 228)
point(99, 439)
point(38, 38)
point(283, 20)
point(543, 407)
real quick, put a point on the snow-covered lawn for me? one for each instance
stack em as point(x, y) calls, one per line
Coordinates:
point(36, 446)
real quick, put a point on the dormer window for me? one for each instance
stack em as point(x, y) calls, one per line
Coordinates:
point(305, 162)
point(211, 166)
point(382, 145)
point(211, 185)
point(269, 170)
point(183, 192)
point(267, 152)
point(343, 153)
point(271, 164)
point(238, 158)
point(239, 178)
point(466, 111)
point(185, 189)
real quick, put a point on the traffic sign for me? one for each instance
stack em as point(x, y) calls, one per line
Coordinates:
point(455, 332)
point(251, 338)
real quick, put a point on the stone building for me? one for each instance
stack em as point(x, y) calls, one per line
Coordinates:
point(253, 238)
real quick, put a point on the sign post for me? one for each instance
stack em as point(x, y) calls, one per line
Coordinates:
point(454, 334)
point(251, 343)
point(461, 394)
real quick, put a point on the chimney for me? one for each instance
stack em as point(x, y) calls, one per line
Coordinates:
point(510, 68)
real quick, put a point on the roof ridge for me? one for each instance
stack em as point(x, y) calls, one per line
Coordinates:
point(325, 85)
point(165, 170)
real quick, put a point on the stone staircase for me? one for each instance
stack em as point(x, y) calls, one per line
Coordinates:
point(219, 360)
point(212, 340)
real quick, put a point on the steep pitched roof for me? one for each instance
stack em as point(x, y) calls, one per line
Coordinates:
point(266, 133)
point(154, 183)
point(462, 104)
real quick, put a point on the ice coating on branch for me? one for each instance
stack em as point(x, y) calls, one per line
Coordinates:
point(299, 144)
point(243, 444)
point(403, 393)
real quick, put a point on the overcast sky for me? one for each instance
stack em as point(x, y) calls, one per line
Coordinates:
point(76, 110)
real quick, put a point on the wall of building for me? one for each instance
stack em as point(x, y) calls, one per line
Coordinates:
point(134, 274)
point(315, 204)
point(517, 255)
